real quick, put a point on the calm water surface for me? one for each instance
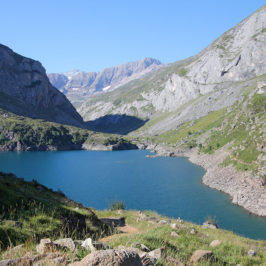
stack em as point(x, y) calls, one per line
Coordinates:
point(170, 186)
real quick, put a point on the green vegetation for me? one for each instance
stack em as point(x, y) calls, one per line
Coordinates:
point(36, 134)
point(191, 130)
point(182, 72)
point(30, 211)
point(233, 249)
point(117, 205)
point(242, 129)
point(259, 33)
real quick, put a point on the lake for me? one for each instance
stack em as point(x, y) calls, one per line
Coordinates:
point(169, 185)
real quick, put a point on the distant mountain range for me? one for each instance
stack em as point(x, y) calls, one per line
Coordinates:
point(78, 85)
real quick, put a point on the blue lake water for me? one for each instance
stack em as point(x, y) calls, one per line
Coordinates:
point(170, 186)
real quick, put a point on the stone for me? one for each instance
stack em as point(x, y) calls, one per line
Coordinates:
point(157, 253)
point(163, 222)
point(87, 244)
point(144, 248)
point(193, 231)
point(209, 225)
point(200, 255)
point(54, 259)
point(215, 243)
point(179, 220)
point(46, 245)
point(65, 243)
point(147, 260)
point(174, 234)
point(114, 257)
point(174, 226)
point(251, 253)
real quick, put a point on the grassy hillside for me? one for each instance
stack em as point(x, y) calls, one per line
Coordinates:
point(22, 133)
point(30, 211)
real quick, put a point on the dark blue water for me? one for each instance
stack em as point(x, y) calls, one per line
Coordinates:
point(170, 186)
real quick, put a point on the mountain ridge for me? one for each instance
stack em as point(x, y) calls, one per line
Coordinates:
point(25, 90)
point(78, 85)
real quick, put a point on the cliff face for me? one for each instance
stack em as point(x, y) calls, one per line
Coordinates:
point(237, 56)
point(25, 90)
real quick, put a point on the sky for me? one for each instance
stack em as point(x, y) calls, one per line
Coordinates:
point(91, 35)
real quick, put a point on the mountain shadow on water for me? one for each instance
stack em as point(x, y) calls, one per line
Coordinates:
point(116, 124)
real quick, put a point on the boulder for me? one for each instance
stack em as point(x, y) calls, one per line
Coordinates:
point(157, 253)
point(163, 222)
point(54, 259)
point(251, 253)
point(87, 244)
point(174, 234)
point(215, 243)
point(46, 245)
point(65, 243)
point(147, 260)
point(193, 231)
point(209, 225)
point(144, 248)
point(200, 255)
point(174, 226)
point(114, 257)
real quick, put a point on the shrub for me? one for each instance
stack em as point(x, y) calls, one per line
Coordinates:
point(117, 205)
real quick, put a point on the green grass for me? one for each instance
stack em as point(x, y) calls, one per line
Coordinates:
point(30, 211)
point(36, 134)
point(232, 251)
point(188, 131)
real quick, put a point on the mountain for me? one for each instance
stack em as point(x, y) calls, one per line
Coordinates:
point(237, 56)
point(209, 108)
point(25, 90)
point(78, 85)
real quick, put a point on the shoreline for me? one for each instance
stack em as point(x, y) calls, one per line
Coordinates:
point(243, 188)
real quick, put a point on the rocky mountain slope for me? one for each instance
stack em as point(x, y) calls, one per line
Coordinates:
point(212, 104)
point(78, 85)
point(237, 56)
point(26, 90)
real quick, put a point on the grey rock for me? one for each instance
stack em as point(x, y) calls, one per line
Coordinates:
point(25, 90)
point(251, 253)
point(87, 244)
point(157, 253)
point(193, 231)
point(215, 243)
point(200, 255)
point(65, 243)
point(174, 234)
point(114, 257)
point(209, 225)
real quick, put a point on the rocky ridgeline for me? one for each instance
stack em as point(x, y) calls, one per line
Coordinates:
point(237, 56)
point(77, 83)
point(25, 90)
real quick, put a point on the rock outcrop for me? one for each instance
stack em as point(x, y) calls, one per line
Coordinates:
point(118, 257)
point(25, 90)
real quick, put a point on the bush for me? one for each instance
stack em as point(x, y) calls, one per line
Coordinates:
point(117, 205)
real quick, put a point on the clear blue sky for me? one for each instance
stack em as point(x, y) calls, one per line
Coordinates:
point(91, 35)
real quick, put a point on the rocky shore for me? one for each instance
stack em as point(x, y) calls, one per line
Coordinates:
point(243, 188)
